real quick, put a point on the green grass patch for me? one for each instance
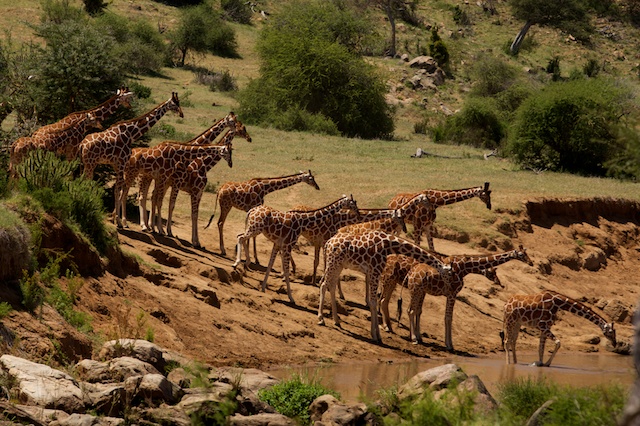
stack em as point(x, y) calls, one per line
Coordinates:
point(293, 397)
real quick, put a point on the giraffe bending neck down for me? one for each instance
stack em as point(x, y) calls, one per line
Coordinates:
point(367, 252)
point(421, 279)
point(249, 194)
point(284, 228)
point(540, 310)
point(423, 218)
point(114, 146)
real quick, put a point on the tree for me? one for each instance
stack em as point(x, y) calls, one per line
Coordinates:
point(394, 9)
point(94, 7)
point(309, 74)
point(202, 30)
point(556, 13)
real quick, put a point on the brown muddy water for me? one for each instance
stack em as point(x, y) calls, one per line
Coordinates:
point(361, 381)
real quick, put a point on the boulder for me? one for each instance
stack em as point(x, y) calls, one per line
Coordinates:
point(593, 258)
point(41, 385)
point(434, 378)
point(264, 419)
point(424, 62)
point(87, 420)
point(246, 378)
point(326, 410)
point(153, 389)
point(136, 348)
point(194, 399)
point(105, 398)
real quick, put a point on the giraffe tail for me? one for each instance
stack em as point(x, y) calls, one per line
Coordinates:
point(215, 204)
point(502, 338)
point(400, 299)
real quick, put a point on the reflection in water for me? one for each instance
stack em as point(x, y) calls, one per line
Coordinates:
point(361, 381)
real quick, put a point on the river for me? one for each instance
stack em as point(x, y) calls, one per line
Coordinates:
point(361, 381)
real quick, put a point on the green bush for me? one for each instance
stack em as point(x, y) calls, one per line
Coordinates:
point(491, 75)
point(296, 119)
point(477, 124)
point(303, 67)
point(569, 126)
point(522, 397)
point(437, 49)
point(626, 163)
point(293, 397)
point(237, 11)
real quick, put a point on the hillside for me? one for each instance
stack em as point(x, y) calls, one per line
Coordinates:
point(581, 233)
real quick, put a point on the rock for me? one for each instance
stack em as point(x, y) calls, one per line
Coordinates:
point(327, 410)
point(153, 389)
point(594, 258)
point(433, 378)
point(194, 399)
point(137, 348)
point(247, 378)
point(618, 312)
point(105, 398)
point(44, 386)
point(92, 371)
point(124, 367)
point(484, 402)
point(424, 62)
point(592, 339)
point(264, 419)
point(87, 420)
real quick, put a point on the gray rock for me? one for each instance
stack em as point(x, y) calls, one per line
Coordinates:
point(194, 399)
point(153, 389)
point(136, 348)
point(245, 378)
point(424, 62)
point(264, 419)
point(41, 385)
point(87, 420)
point(327, 410)
point(433, 378)
point(106, 398)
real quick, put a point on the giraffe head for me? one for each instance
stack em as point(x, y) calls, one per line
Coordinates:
point(124, 97)
point(399, 220)
point(227, 151)
point(348, 203)
point(174, 104)
point(492, 274)
point(241, 131)
point(485, 195)
point(610, 333)
point(308, 178)
point(521, 254)
point(92, 121)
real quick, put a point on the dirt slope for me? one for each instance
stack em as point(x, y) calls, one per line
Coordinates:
point(193, 302)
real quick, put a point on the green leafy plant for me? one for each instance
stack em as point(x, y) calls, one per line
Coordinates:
point(292, 397)
point(5, 309)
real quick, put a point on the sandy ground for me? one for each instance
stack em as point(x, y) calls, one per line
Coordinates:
point(193, 301)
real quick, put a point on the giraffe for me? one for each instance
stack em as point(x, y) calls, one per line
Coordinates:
point(540, 311)
point(424, 218)
point(368, 252)
point(158, 162)
point(149, 174)
point(387, 220)
point(101, 112)
point(249, 194)
point(64, 141)
point(421, 279)
point(113, 147)
point(192, 178)
point(284, 228)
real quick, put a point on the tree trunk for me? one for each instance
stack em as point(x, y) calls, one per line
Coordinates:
point(515, 46)
point(392, 22)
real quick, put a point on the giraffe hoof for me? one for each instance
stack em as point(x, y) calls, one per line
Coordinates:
point(321, 321)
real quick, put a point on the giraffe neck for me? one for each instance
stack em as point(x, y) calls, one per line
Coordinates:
point(477, 264)
point(209, 135)
point(141, 125)
point(305, 218)
point(567, 304)
point(443, 198)
point(345, 218)
point(107, 108)
point(269, 185)
point(399, 246)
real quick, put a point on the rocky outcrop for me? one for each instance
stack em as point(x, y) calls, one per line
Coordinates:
point(126, 386)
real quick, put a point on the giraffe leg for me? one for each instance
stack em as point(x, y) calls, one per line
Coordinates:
point(448, 320)
point(172, 204)
point(323, 288)
point(372, 285)
point(544, 335)
point(195, 209)
point(224, 211)
point(240, 244)
point(387, 290)
point(274, 253)
point(418, 317)
point(429, 237)
point(255, 251)
point(144, 185)
point(285, 254)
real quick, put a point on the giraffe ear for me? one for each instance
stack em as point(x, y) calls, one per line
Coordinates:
point(486, 186)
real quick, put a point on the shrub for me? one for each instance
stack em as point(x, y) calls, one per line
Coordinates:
point(522, 397)
point(237, 11)
point(296, 119)
point(305, 68)
point(477, 124)
point(293, 397)
point(569, 126)
point(553, 68)
point(5, 310)
point(437, 49)
point(491, 75)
